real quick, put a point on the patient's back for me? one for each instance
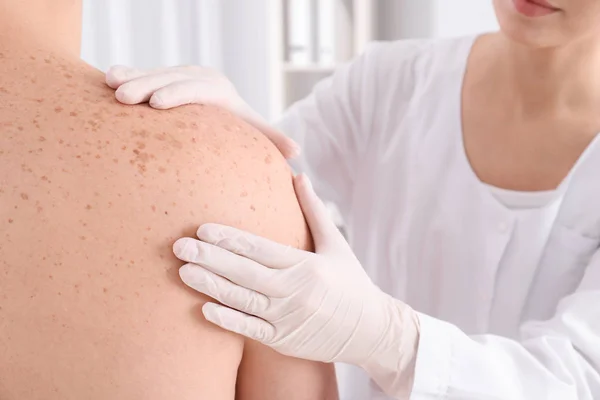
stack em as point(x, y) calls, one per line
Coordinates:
point(92, 196)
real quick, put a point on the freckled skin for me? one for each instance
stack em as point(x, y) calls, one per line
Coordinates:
point(99, 231)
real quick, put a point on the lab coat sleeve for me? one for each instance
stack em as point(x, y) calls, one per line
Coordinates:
point(557, 359)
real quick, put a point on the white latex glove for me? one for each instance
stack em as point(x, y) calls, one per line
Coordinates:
point(173, 87)
point(318, 306)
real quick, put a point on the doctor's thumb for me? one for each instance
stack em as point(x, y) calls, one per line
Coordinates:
point(324, 231)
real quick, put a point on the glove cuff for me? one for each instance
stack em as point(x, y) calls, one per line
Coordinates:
point(392, 362)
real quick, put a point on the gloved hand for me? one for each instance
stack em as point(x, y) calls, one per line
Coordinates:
point(172, 87)
point(319, 306)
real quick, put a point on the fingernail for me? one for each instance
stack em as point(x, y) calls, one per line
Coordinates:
point(211, 313)
point(295, 149)
point(120, 95)
point(306, 181)
point(187, 275)
point(209, 233)
point(182, 248)
point(113, 72)
point(156, 101)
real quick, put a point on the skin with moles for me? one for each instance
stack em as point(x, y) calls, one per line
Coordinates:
point(92, 196)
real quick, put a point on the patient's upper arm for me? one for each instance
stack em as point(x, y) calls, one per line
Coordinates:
point(256, 190)
point(260, 197)
point(267, 375)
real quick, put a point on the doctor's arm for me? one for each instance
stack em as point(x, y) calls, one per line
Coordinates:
point(296, 303)
point(557, 359)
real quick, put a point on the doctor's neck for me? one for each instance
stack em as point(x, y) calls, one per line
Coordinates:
point(48, 25)
point(549, 79)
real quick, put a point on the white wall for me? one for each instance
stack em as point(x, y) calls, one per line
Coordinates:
point(463, 17)
point(244, 35)
point(402, 19)
point(233, 35)
point(434, 18)
point(151, 33)
point(227, 34)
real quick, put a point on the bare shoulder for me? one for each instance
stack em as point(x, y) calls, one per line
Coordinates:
point(93, 195)
point(243, 179)
point(208, 152)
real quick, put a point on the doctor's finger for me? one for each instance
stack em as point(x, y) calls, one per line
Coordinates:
point(118, 75)
point(196, 91)
point(240, 323)
point(140, 90)
point(239, 270)
point(324, 231)
point(190, 91)
point(224, 291)
point(256, 248)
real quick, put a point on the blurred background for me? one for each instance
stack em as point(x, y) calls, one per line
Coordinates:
point(256, 42)
point(274, 51)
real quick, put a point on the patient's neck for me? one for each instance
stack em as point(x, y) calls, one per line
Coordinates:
point(47, 25)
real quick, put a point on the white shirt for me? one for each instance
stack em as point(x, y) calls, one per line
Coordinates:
point(534, 215)
point(508, 298)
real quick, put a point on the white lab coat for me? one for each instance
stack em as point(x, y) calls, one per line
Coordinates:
point(382, 139)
